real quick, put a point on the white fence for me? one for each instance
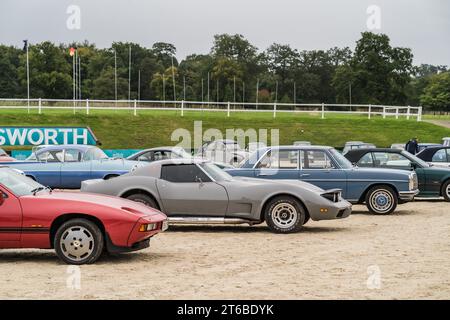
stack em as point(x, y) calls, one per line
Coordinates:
point(183, 106)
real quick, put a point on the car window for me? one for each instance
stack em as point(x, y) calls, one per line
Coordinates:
point(448, 155)
point(72, 155)
point(317, 159)
point(183, 173)
point(51, 156)
point(280, 159)
point(365, 161)
point(389, 159)
point(147, 156)
point(439, 156)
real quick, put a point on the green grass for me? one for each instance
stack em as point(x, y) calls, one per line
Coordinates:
point(120, 129)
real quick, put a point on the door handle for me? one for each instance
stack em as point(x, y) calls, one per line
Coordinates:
point(262, 174)
point(305, 175)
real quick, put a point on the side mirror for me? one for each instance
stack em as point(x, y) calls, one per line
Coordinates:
point(2, 198)
point(413, 166)
point(199, 180)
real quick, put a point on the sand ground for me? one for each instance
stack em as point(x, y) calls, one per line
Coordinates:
point(402, 256)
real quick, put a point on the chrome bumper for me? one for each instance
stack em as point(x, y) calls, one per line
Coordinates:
point(408, 195)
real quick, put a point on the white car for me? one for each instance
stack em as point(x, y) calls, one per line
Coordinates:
point(224, 151)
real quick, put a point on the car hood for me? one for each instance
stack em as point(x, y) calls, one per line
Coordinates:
point(97, 199)
point(294, 183)
point(375, 172)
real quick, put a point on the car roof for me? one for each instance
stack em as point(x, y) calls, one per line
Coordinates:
point(355, 154)
point(65, 146)
point(154, 168)
point(428, 153)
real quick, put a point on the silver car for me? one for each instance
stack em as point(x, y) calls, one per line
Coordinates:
point(197, 191)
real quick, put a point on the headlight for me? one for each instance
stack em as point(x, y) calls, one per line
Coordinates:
point(148, 227)
point(412, 181)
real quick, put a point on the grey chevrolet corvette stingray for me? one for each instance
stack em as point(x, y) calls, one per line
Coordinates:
point(196, 191)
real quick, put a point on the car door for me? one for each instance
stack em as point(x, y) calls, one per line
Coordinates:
point(186, 190)
point(318, 168)
point(10, 218)
point(279, 164)
point(48, 170)
point(74, 170)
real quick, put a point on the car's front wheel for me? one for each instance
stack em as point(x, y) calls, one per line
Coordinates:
point(79, 241)
point(143, 198)
point(381, 200)
point(446, 190)
point(284, 214)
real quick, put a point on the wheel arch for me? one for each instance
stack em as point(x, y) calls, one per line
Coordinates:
point(281, 194)
point(142, 191)
point(363, 195)
point(60, 220)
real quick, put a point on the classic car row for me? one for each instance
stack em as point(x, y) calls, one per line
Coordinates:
point(284, 186)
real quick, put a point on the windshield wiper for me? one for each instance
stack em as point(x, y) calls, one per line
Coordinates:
point(41, 188)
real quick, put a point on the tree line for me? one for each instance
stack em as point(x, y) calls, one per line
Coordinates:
point(374, 72)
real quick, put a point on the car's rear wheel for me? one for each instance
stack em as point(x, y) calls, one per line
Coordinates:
point(446, 190)
point(284, 214)
point(143, 198)
point(79, 241)
point(381, 200)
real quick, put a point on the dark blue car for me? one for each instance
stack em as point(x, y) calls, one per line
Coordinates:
point(380, 190)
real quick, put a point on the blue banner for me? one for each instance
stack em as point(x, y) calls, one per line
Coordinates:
point(34, 136)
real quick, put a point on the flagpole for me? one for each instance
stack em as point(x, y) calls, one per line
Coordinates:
point(173, 82)
point(79, 77)
point(28, 79)
point(129, 73)
point(115, 75)
point(139, 84)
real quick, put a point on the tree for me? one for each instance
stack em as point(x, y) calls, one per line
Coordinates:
point(437, 92)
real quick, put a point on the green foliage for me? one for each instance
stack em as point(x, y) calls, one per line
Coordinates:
point(377, 73)
point(437, 92)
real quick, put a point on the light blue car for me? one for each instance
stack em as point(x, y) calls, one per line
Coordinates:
point(66, 166)
point(380, 190)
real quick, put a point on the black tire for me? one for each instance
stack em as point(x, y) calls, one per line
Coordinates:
point(381, 200)
point(143, 198)
point(445, 190)
point(284, 214)
point(307, 218)
point(79, 234)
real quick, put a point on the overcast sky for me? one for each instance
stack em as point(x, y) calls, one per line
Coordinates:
point(423, 25)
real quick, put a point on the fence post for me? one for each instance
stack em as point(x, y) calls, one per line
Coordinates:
point(87, 106)
point(419, 114)
point(408, 112)
point(40, 105)
point(182, 108)
point(370, 109)
point(135, 107)
point(384, 112)
point(396, 113)
point(323, 110)
point(274, 109)
point(228, 110)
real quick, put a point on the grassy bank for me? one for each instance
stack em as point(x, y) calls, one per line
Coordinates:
point(121, 129)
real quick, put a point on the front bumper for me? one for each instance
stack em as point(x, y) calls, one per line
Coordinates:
point(408, 195)
point(337, 210)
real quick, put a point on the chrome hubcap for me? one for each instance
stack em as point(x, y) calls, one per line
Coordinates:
point(447, 190)
point(381, 200)
point(284, 215)
point(77, 243)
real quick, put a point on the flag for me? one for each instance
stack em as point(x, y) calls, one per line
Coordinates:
point(72, 51)
point(25, 45)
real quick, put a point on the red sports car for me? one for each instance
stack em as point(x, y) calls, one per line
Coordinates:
point(79, 226)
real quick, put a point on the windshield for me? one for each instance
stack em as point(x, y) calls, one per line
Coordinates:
point(95, 153)
point(215, 172)
point(340, 159)
point(181, 152)
point(413, 158)
point(17, 183)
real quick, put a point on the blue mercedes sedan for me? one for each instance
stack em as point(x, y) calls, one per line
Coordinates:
point(66, 166)
point(380, 190)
